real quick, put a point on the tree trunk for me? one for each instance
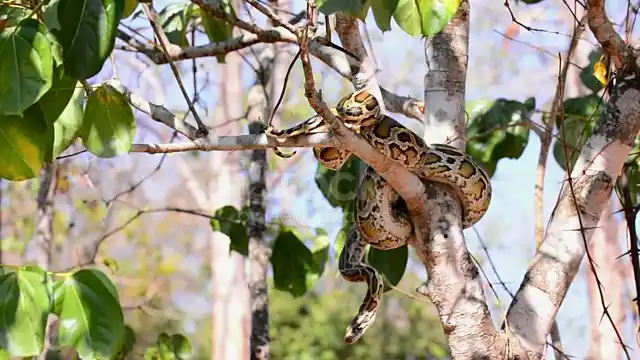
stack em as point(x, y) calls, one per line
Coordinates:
point(230, 335)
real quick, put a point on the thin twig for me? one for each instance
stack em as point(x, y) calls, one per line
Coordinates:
point(162, 38)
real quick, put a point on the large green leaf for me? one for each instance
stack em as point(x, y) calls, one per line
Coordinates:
point(233, 223)
point(88, 34)
point(25, 302)
point(497, 130)
point(390, 263)
point(291, 261)
point(108, 125)
point(91, 319)
point(580, 115)
point(356, 8)
point(26, 66)
point(217, 29)
point(422, 17)
point(25, 143)
point(174, 347)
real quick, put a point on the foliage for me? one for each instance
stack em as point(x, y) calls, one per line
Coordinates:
point(313, 326)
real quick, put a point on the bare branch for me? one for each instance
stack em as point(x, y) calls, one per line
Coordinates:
point(240, 142)
point(162, 38)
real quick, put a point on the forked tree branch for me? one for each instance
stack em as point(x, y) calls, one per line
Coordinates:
point(585, 194)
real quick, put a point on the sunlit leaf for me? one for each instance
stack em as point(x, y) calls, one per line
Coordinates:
point(600, 70)
point(26, 66)
point(24, 144)
point(91, 320)
point(88, 33)
point(422, 17)
point(108, 124)
point(25, 302)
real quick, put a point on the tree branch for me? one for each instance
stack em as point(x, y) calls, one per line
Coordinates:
point(606, 35)
point(576, 216)
point(335, 59)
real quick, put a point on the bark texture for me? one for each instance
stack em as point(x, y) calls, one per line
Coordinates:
point(446, 58)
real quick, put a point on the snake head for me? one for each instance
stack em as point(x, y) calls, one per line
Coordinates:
point(359, 109)
point(359, 325)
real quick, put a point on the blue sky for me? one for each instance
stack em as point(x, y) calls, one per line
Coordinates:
point(517, 73)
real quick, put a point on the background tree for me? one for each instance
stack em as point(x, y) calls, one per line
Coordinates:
point(77, 124)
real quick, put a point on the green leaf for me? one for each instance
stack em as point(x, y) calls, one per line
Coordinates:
point(390, 263)
point(88, 34)
point(580, 115)
point(291, 261)
point(422, 17)
point(108, 125)
point(174, 20)
point(497, 130)
point(24, 144)
point(173, 347)
point(129, 8)
point(69, 123)
point(217, 29)
point(586, 74)
point(26, 66)
point(55, 46)
point(357, 8)
point(91, 319)
point(127, 343)
point(51, 15)
point(233, 223)
point(382, 12)
point(25, 301)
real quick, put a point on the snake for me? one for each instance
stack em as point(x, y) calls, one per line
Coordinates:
point(382, 220)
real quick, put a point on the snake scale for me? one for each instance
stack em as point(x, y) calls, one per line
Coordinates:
point(382, 219)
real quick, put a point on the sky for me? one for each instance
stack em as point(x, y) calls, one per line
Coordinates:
point(516, 73)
